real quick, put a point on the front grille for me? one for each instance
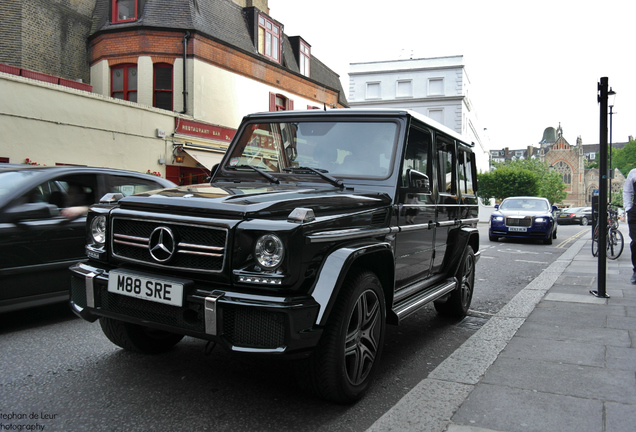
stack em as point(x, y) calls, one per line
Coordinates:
point(524, 222)
point(253, 328)
point(197, 248)
point(186, 318)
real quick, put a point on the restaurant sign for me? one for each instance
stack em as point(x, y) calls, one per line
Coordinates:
point(204, 130)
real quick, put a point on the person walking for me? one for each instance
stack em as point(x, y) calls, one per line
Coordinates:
point(630, 209)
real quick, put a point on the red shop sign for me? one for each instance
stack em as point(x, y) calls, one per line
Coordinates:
point(204, 130)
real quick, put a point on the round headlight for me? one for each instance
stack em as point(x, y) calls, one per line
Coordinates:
point(98, 229)
point(498, 218)
point(269, 251)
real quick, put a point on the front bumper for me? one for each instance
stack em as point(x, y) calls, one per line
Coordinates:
point(241, 322)
point(540, 232)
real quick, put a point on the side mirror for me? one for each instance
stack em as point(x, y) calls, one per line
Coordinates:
point(418, 181)
point(496, 206)
point(554, 208)
point(111, 198)
point(31, 211)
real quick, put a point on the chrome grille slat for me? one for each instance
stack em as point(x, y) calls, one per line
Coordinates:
point(199, 248)
point(200, 253)
point(127, 237)
point(193, 246)
point(131, 244)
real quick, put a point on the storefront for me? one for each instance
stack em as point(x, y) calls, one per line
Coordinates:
point(196, 148)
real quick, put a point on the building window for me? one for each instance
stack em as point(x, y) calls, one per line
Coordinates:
point(404, 89)
point(305, 55)
point(124, 10)
point(268, 38)
point(124, 82)
point(565, 171)
point(162, 90)
point(278, 102)
point(373, 90)
point(436, 87)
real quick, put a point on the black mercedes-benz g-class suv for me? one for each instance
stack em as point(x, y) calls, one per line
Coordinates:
point(317, 230)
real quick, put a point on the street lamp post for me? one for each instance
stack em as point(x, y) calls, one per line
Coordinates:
point(602, 198)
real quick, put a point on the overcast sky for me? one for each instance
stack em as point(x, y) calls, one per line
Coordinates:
point(531, 64)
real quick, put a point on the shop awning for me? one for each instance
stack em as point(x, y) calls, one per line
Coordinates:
point(205, 158)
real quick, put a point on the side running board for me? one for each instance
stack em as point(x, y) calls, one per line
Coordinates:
point(406, 306)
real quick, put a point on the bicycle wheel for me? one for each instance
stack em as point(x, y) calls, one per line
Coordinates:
point(595, 242)
point(614, 244)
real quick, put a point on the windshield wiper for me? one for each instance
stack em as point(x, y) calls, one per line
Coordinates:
point(268, 176)
point(322, 173)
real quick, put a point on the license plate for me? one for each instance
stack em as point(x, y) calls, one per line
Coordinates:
point(146, 288)
point(563, 215)
point(518, 229)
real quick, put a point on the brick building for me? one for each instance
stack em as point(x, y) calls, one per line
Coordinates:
point(570, 161)
point(170, 80)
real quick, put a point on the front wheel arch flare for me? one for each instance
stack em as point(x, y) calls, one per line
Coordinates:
point(377, 258)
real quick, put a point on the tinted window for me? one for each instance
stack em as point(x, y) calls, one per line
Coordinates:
point(131, 185)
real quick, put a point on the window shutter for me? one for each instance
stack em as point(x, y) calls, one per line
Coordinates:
point(272, 102)
point(290, 104)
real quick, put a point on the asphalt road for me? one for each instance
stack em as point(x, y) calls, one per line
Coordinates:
point(60, 373)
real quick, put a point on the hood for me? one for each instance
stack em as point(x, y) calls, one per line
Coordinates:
point(522, 213)
point(251, 200)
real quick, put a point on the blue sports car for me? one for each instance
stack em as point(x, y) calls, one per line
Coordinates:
point(523, 217)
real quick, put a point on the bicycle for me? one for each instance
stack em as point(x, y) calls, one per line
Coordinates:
point(614, 237)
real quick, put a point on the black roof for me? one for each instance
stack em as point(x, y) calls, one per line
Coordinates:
point(221, 20)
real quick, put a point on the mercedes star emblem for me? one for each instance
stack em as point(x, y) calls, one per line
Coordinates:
point(162, 244)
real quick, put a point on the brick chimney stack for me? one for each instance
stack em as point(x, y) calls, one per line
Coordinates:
point(258, 4)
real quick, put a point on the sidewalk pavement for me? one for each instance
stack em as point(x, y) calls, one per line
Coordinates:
point(556, 358)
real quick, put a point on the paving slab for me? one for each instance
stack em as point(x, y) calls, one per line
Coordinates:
point(575, 353)
point(502, 408)
point(565, 379)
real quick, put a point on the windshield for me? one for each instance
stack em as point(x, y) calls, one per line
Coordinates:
point(355, 149)
point(12, 180)
point(524, 204)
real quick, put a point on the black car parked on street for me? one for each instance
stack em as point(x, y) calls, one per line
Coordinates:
point(317, 230)
point(37, 243)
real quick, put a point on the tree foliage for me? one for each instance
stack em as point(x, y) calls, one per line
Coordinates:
point(624, 159)
point(528, 177)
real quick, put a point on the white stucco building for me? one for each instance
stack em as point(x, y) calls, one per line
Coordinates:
point(435, 87)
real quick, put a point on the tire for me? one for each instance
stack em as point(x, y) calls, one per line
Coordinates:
point(595, 243)
point(493, 238)
point(342, 366)
point(554, 236)
point(584, 221)
point(458, 302)
point(615, 244)
point(133, 337)
point(548, 240)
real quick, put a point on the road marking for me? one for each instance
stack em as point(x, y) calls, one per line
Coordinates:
point(532, 262)
point(517, 251)
point(566, 243)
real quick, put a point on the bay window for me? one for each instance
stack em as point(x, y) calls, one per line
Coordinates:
point(162, 86)
point(124, 82)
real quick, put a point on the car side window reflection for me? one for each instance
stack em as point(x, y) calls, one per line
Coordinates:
point(130, 185)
